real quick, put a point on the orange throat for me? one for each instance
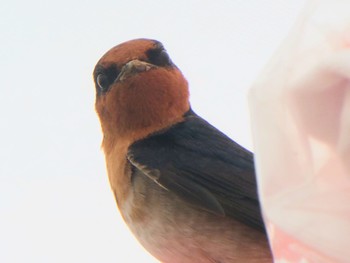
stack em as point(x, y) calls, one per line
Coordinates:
point(144, 104)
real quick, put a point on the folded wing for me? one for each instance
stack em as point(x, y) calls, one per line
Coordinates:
point(203, 166)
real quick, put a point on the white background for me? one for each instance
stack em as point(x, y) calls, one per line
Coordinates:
point(55, 201)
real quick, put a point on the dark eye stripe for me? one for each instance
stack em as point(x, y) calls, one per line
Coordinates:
point(104, 77)
point(102, 82)
point(159, 57)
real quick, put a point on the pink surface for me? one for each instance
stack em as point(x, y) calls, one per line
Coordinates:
point(300, 108)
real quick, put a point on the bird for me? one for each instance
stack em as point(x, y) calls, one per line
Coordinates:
point(187, 192)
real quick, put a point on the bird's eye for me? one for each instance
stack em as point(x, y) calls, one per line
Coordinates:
point(159, 57)
point(102, 82)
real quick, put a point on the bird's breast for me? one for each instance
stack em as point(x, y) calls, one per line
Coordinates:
point(119, 173)
point(175, 232)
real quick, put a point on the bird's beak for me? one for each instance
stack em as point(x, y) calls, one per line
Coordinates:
point(133, 67)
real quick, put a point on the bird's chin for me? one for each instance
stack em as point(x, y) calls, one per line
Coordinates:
point(132, 68)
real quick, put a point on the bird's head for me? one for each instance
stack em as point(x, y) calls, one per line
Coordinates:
point(138, 90)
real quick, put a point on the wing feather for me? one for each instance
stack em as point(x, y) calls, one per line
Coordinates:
point(203, 166)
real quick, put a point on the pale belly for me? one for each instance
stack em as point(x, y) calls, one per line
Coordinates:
point(175, 232)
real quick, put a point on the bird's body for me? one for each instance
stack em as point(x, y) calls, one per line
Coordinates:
point(187, 191)
point(190, 235)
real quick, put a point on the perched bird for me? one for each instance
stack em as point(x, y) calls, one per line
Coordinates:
point(186, 190)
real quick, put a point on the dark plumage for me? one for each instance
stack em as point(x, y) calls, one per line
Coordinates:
point(195, 160)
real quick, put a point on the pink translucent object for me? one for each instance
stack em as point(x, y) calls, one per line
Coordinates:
point(300, 108)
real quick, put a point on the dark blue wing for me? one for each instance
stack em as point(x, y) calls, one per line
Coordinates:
point(203, 166)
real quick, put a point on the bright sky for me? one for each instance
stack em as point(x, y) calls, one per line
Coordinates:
point(55, 201)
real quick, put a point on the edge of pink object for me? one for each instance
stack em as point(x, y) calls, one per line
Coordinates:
point(300, 109)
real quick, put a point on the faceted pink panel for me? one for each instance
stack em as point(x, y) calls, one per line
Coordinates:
point(300, 108)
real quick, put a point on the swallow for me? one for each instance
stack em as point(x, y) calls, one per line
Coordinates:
point(186, 190)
